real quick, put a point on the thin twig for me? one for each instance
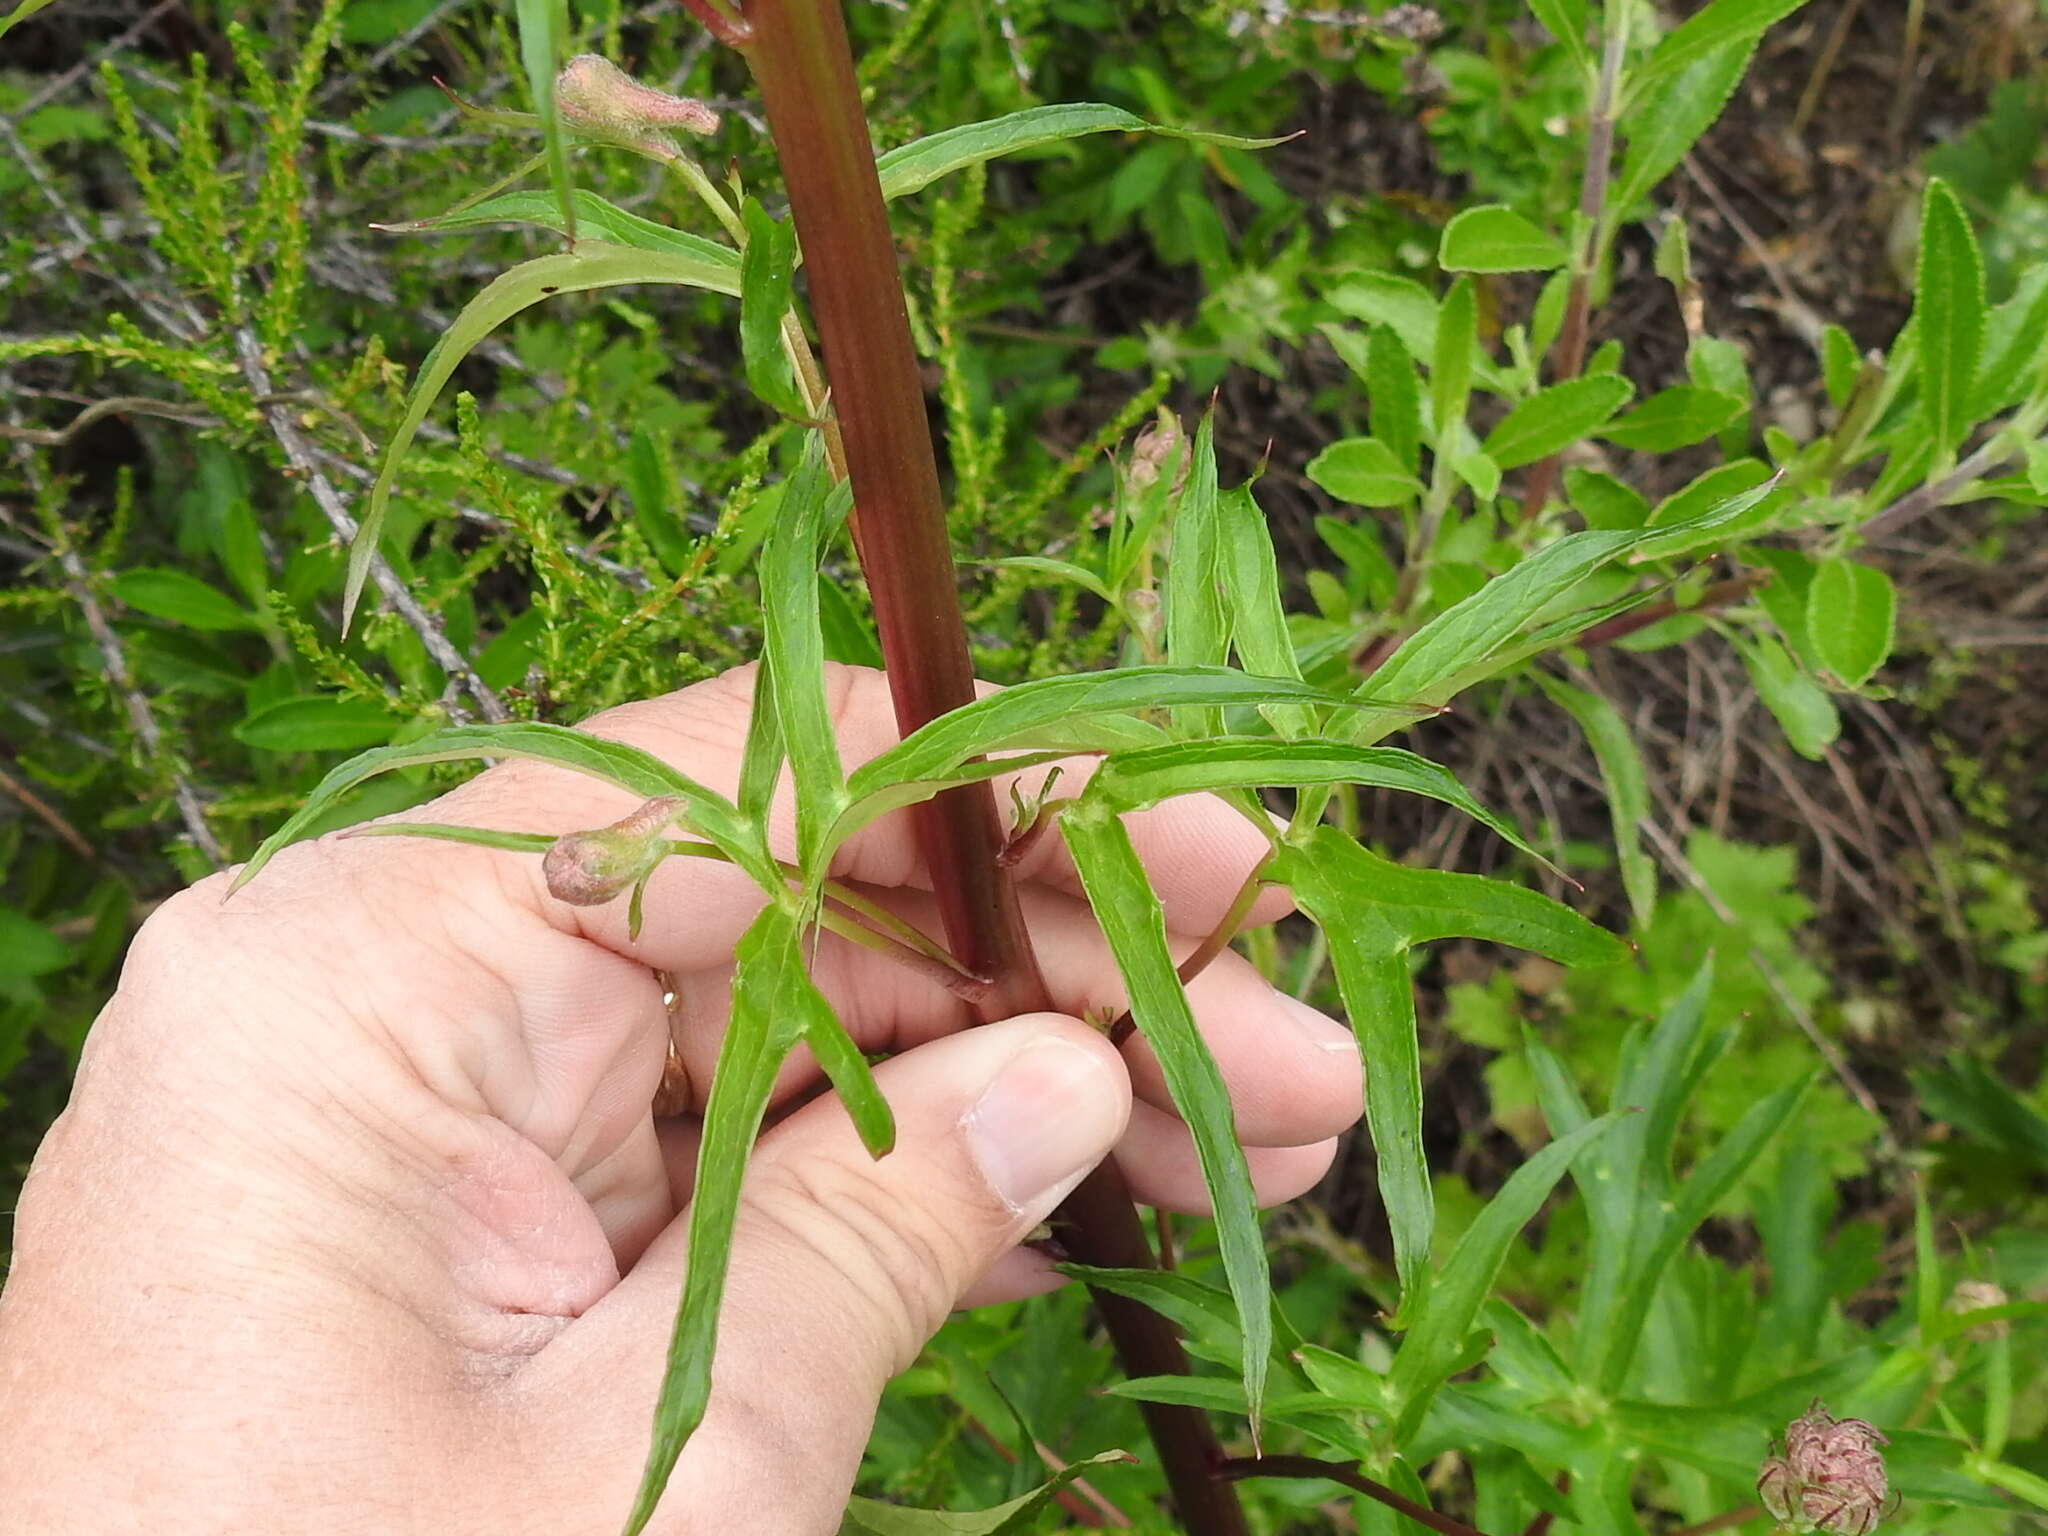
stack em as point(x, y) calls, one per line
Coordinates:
point(50, 815)
point(1996, 453)
point(298, 455)
point(1238, 1468)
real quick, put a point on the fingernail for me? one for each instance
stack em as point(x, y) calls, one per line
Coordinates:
point(1327, 1033)
point(1050, 1115)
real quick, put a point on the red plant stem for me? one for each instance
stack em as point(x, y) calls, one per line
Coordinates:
point(1350, 1477)
point(1721, 594)
point(801, 60)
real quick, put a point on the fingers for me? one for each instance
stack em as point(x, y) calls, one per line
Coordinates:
point(1293, 1074)
point(842, 1267)
point(1197, 850)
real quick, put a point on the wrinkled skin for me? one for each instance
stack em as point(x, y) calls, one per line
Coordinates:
point(358, 1220)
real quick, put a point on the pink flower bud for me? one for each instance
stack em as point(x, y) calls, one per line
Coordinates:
point(597, 97)
point(588, 869)
point(1830, 1478)
point(1161, 442)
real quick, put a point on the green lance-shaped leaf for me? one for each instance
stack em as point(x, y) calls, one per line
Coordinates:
point(1045, 712)
point(1498, 239)
point(1553, 419)
point(1471, 630)
point(1626, 1179)
point(767, 269)
point(1565, 20)
point(1395, 395)
point(1695, 1200)
point(20, 13)
point(1457, 343)
point(871, 1517)
point(167, 594)
point(1801, 706)
point(1724, 502)
point(914, 166)
point(1372, 912)
point(542, 26)
point(795, 644)
point(1850, 612)
point(640, 773)
point(1258, 619)
point(1675, 418)
point(1949, 308)
point(1721, 25)
point(1432, 1347)
point(1197, 617)
point(771, 997)
point(1627, 783)
point(1365, 471)
point(319, 723)
point(1132, 922)
point(1132, 780)
point(594, 216)
point(2015, 346)
point(593, 264)
point(1663, 125)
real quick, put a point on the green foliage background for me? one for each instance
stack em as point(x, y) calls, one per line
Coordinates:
point(186, 212)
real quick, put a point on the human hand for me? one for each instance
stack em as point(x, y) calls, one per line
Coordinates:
point(359, 1221)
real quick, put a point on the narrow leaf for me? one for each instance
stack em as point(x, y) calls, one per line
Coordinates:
point(764, 1024)
point(1457, 342)
point(1258, 619)
point(1850, 612)
point(318, 725)
point(1395, 395)
point(871, 1517)
point(795, 645)
point(1498, 239)
point(914, 166)
point(720, 263)
point(1430, 1348)
point(167, 594)
point(1565, 20)
point(1949, 307)
point(767, 267)
point(542, 25)
point(1553, 419)
point(1663, 125)
point(1801, 706)
point(1626, 781)
point(640, 773)
point(1133, 780)
point(1675, 418)
point(1720, 25)
point(593, 264)
point(1197, 620)
point(1131, 920)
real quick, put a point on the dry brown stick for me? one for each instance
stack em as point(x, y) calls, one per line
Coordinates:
point(298, 453)
point(1824, 67)
point(49, 814)
point(117, 405)
point(141, 719)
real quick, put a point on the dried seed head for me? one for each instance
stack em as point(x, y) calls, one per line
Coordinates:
point(602, 100)
point(1830, 1478)
point(588, 869)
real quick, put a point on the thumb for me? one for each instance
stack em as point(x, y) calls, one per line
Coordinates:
point(844, 1265)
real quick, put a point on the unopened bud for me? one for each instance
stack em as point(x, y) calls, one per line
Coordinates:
point(1159, 444)
point(1831, 1477)
point(597, 97)
point(588, 869)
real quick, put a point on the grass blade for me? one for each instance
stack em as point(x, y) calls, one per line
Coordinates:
point(766, 1001)
point(542, 26)
point(1132, 922)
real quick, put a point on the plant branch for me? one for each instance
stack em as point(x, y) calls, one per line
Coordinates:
point(1721, 594)
point(1998, 451)
point(1350, 1477)
point(1213, 944)
point(1578, 307)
